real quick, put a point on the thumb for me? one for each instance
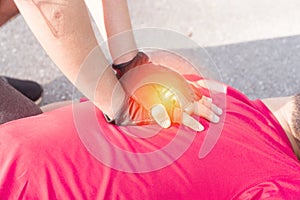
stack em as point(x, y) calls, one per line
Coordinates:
point(160, 115)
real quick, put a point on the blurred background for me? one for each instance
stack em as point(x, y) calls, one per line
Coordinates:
point(254, 43)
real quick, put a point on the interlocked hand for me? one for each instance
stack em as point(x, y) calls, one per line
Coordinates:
point(158, 94)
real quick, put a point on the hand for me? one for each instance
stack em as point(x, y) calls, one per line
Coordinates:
point(172, 104)
point(165, 107)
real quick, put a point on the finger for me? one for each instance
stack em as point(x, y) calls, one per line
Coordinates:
point(211, 85)
point(184, 118)
point(216, 109)
point(197, 92)
point(203, 111)
point(190, 108)
point(206, 101)
point(204, 108)
point(160, 115)
point(190, 122)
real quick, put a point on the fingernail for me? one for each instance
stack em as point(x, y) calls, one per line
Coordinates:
point(209, 99)
point(199, 127)
point(196, 127)
point(219, 111)
point(215, 119)
point(165, 123)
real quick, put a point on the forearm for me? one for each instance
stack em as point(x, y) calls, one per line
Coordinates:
point(63, 28)
point(119, 31)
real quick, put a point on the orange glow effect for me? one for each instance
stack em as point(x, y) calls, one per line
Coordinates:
point(152, 84)
point(153, 94)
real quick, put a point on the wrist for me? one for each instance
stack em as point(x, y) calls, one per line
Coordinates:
point(112, 102)
point(125, 58)
point(140, 58)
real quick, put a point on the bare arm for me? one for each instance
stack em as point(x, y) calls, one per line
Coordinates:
point(123, 48)
point(121, 41)
point(63, 28)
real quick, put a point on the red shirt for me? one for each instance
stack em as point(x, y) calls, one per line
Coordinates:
point(43, 157)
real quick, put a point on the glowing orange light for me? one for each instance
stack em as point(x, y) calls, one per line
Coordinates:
point(153, 94)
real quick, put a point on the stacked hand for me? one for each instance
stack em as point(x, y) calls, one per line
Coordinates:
point(159, 95)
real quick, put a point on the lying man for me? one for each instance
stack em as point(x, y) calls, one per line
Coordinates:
point(73, 153)
point(61, 155)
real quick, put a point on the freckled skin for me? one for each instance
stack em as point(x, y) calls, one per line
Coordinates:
point(53, 15)
point(64, 30)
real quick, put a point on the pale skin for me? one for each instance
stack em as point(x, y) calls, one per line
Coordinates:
point(64, 30)
point(68, 44)
point(282, 108)
point(118, 29)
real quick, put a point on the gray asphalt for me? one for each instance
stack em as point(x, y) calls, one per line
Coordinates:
point(258, 67)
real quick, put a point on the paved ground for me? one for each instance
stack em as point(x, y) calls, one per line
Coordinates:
point(255, 44)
